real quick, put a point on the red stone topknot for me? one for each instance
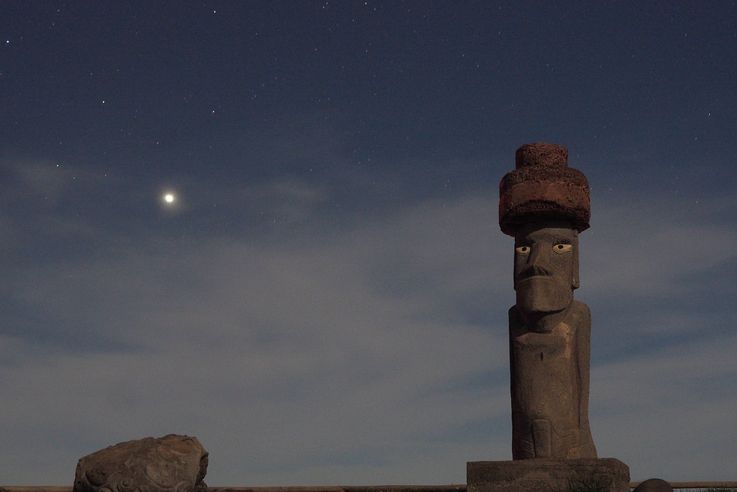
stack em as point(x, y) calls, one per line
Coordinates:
point(543, 187)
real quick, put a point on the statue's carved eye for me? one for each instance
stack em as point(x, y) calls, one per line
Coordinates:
point(523, 250)
point(562, 248)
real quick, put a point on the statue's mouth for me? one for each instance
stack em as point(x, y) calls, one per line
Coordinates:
point(534, 271)
point(533, 279)
point(535, 282)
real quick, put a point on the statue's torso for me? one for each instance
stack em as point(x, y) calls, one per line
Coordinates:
point(546, 369)
point(548, 386)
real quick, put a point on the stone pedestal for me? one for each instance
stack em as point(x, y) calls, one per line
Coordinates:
point(548, 475)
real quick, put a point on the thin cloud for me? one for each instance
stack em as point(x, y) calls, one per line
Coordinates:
point(666, 413)
point(382, 345)
point(262, 336)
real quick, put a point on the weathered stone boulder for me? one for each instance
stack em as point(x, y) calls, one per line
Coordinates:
point(172, 463)
point(654, 485)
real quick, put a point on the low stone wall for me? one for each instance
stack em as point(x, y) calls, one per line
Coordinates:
point(326, 488)
point(362, 488)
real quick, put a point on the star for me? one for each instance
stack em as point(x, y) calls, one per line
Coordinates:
point(169, 198)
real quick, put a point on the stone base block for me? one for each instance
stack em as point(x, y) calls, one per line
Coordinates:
point(548, 475)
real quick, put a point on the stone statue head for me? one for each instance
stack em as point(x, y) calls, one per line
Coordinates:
point(544, 204)
point(545, 266)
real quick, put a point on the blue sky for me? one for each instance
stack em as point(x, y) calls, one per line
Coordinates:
point(326, 303)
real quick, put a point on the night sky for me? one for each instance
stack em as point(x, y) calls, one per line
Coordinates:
point(324, 300)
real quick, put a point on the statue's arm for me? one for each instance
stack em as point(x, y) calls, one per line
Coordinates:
point(584, 362)
point(513, 326)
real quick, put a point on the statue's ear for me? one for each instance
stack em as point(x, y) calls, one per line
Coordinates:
point(575, 284)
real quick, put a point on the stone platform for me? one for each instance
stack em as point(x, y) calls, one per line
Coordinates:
point(548, 475)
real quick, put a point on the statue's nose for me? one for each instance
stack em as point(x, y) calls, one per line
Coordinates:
point(538, 256)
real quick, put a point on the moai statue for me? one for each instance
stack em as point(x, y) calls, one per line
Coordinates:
point(544, 204)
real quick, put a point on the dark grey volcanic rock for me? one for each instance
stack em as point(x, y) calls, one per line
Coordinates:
point(172, 463)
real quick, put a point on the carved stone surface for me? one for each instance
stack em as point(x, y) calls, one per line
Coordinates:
point(172, 463)
point(544, 205)
point(542, 475)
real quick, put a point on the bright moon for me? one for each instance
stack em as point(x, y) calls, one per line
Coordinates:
point(169, 198)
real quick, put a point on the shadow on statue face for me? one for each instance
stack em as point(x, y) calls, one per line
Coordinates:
point(545, 266)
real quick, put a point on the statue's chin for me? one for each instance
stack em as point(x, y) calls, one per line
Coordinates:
point(543, 295)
